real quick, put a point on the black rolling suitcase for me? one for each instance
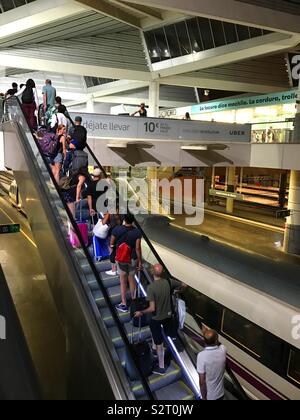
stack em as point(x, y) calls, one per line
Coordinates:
point(139, 304)
point(142, 357)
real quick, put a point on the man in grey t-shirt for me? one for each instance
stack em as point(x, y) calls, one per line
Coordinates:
point(159, 296)
point(49, 95)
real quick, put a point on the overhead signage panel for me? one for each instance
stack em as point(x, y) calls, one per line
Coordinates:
point(271, 99)
point(130, 128)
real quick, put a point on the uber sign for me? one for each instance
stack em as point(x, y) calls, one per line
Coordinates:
point(294, 66)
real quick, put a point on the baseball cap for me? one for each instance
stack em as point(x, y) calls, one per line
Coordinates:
point(78, 119)
point(97, 172)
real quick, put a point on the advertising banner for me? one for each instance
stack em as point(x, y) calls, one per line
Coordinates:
point(247, 102)
point(129, 128)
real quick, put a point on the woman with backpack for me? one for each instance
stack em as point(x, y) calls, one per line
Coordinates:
point(53, 148)
point(30, 102)
point(72, 187)
point(61, 152)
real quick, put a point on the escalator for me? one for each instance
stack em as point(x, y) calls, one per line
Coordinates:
point(98, 337)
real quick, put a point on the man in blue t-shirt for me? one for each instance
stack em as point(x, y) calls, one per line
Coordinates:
point(49, 95)
point(131, 236)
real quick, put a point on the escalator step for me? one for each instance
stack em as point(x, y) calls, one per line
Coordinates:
point(177, 391)
point(159, 382)
point(108, 281)
point(114, 294)
point(109, 320)
point(117, 340)
point(101, 266)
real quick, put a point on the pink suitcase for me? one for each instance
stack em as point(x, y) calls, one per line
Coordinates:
point(84, 230)
point(74, 241)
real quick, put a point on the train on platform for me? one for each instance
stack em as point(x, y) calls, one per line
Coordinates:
point(261, 333)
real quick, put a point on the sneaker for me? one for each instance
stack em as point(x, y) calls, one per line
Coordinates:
point(111, 273)
point(159, 371)
point(122, 308)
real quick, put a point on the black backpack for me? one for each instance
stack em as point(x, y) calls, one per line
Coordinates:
point(28, 96)
point(80, 134)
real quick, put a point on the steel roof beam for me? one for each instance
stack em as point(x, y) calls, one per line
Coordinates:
point(36, 14)
point(145, 10)
point(243, 50)
point(231, 11)
point(23, 62)
point(115, 87)
point(108, 9)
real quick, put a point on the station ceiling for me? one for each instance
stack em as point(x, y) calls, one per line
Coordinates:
point(106, 39)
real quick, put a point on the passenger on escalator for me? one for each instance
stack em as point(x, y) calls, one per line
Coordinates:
point(78, 158)
point(93, 194)
point(159, 296)
point(59, 104)
point(211, 365)
point(30, 102)
point(59, 118)
point(72, 187)
point(49, 94)
point(12, 91)
point(78, 133)
point(127, 240)
point(53, 147)
point(114, 221)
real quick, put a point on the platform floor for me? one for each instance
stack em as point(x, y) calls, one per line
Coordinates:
point(28, 285)
point(277, 277)
point(247, 235)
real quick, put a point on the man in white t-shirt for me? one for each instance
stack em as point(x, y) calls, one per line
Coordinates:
point(211, 364)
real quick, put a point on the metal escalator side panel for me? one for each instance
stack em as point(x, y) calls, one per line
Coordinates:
point(86, 344)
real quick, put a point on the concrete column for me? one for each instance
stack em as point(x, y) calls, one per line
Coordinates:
point(282, 190)
point(153, 100)
point(292, 229)
point(1, 152)
point(230, 188)
point(296, 136)
point(90, 106)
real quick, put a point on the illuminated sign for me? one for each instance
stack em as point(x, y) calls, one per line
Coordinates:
point(227, 194)
point(15, 228)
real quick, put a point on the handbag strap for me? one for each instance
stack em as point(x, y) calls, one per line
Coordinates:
point(171, 297)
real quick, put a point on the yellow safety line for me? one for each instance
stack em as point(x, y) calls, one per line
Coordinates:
point(22, 231)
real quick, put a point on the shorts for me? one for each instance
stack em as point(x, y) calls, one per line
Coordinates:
point(69, 195)
point(156, 330)
point(58, 158)
point(52, 161)
point(128, 269)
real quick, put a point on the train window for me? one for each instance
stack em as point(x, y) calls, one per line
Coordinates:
point(203, 308)
point(257, 341)
point(294, 366)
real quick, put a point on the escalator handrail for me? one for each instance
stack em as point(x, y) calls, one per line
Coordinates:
point(151, 248)
point(124, 336)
